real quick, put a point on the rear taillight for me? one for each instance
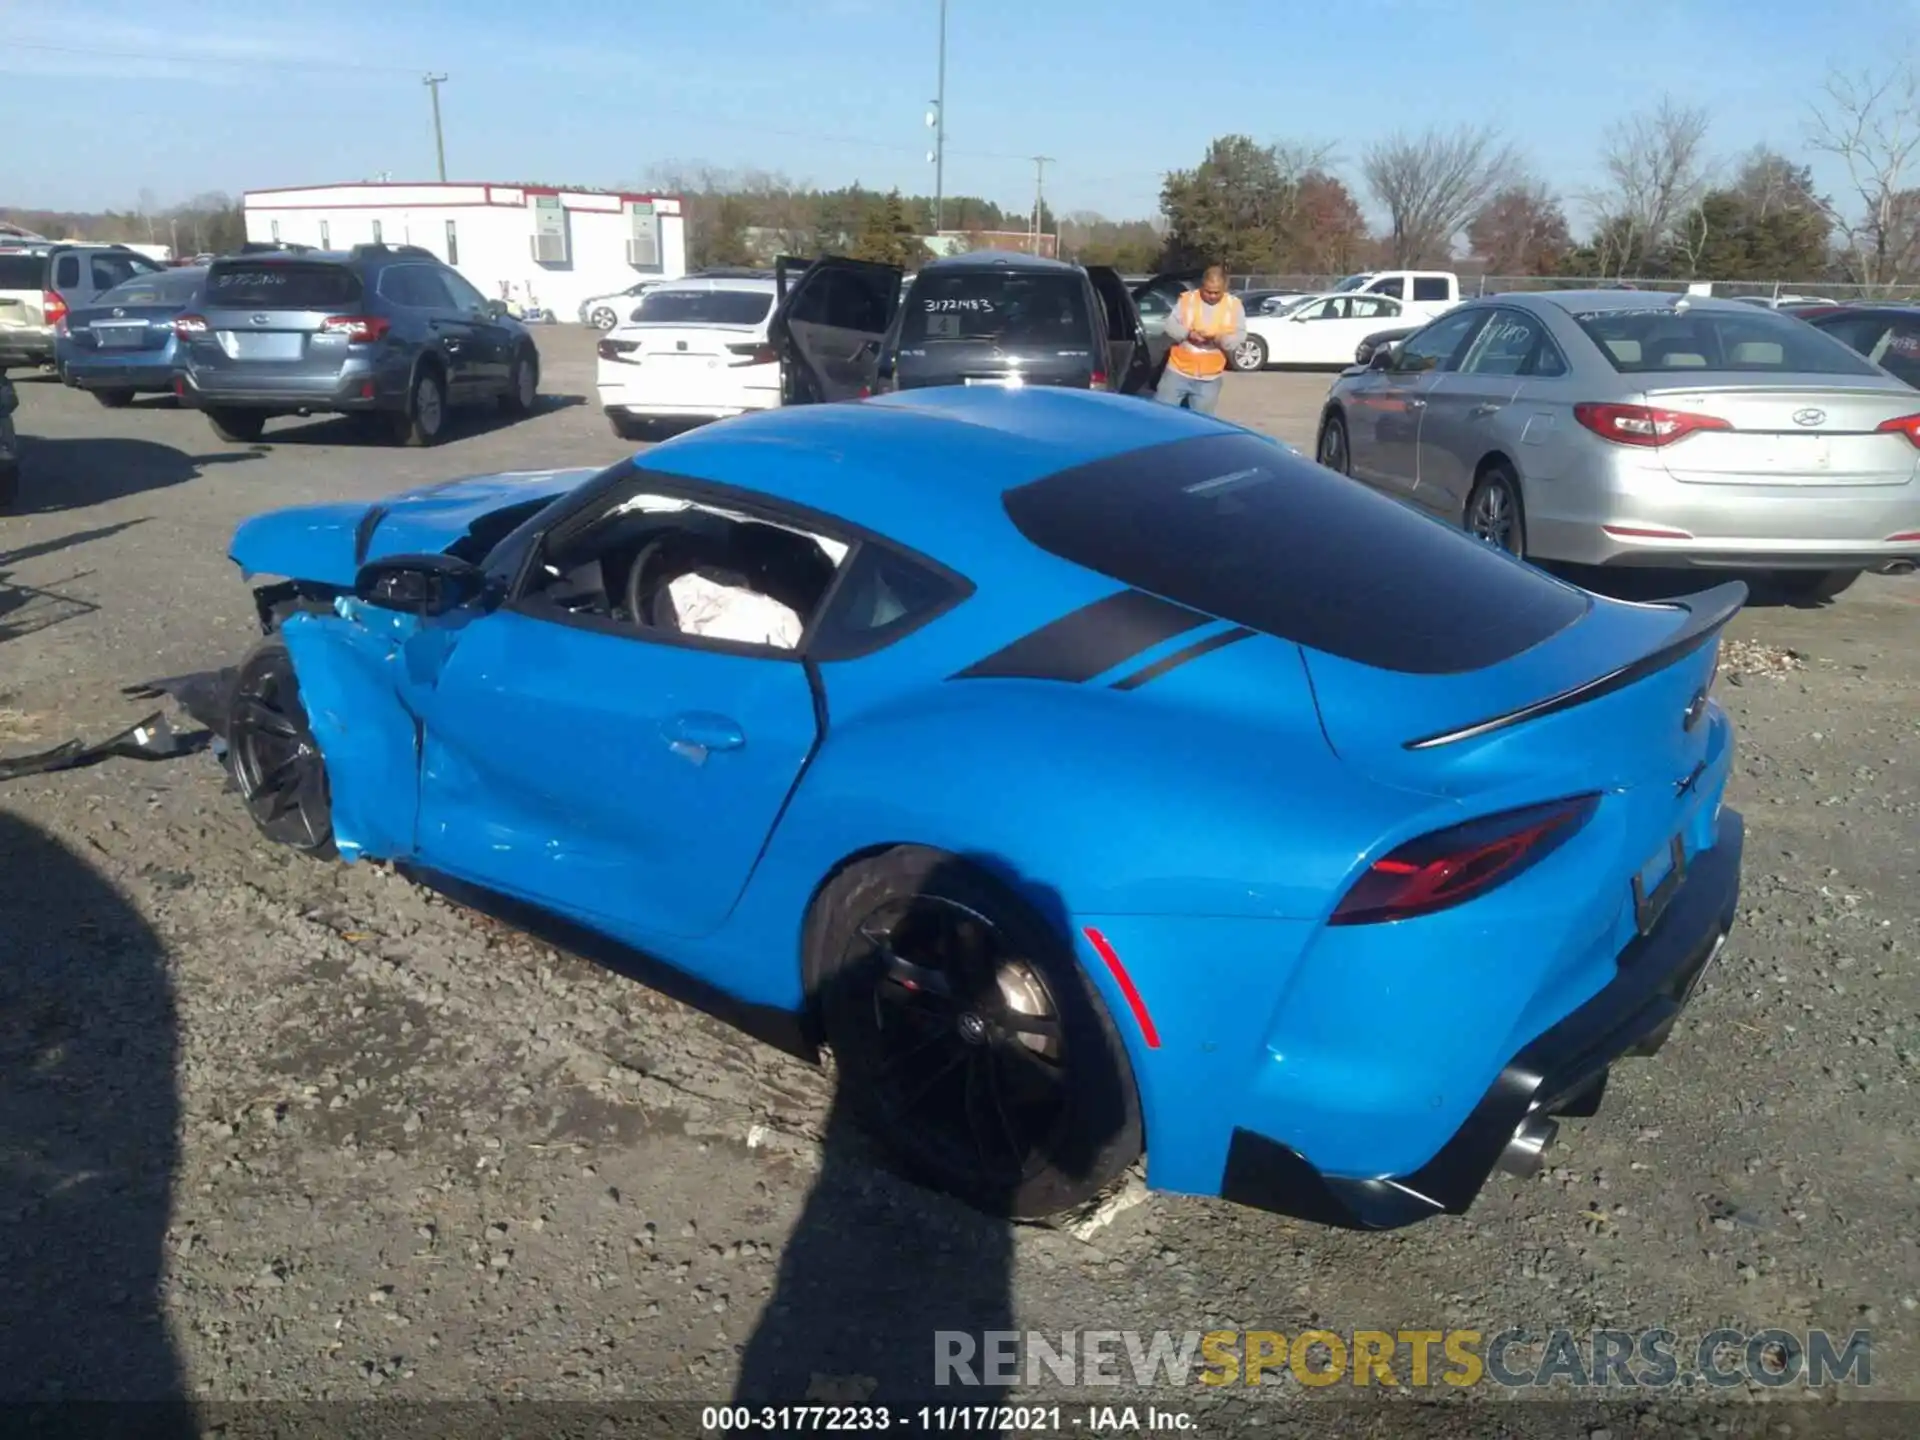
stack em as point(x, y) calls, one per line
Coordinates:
point(752, 354)
point(1453, 866)
point(187, 326)
point(1903, 536)
point(1907, 425)
point(1644, 424)
point(358, 329)
point(618, 350)
point(53, 306)
point(1099, 380)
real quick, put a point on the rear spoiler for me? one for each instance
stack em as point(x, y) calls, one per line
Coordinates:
point(1707, 613)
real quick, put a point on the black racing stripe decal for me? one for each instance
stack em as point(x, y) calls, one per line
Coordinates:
point(1181, 657)
point(1090, 641)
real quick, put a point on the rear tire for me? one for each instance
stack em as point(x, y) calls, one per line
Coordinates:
point(276, 763)
point(603, 319)
point(1494, 511)
point(424, 420)
point(523, 384)
point(1814, 587)
point(238, 427)
point(1331, 448)
point(114, 399)
point(997, 1074)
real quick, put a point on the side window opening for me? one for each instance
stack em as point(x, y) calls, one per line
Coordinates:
point(663, 567)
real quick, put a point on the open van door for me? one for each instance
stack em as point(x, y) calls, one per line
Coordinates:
point(828, 324)
point(1129, 357)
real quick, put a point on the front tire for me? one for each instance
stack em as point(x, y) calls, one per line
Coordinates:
point(1494, 511)
point(276, 762)
point(424, 420)
point(1250, 354)
point(1331, 449)
point(238, 427)
point(1814, 587)
point(603, 318)
point(968, 1038)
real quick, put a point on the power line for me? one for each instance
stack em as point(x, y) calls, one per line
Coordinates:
point(250, 61)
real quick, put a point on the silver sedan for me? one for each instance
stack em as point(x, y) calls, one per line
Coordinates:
point(1637, 428)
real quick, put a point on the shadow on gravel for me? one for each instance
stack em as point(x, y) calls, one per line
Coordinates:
point(876, 1267)
point(27, 608)
point(465, 423)
point(88, 1112)
point(72, 474)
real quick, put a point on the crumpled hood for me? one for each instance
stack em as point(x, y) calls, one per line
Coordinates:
point(328, 543)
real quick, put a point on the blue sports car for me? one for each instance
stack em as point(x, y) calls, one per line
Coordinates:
point(1089, 776)
point(122, 343)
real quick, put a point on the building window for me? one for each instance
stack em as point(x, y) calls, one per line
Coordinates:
point(376, 234)
point(453, 245)
point(276, 230)
point(326, 237)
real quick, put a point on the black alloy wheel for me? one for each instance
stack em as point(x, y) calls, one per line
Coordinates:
point(276, 763)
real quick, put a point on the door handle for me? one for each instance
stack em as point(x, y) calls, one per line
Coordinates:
point(1481, 410)
point(1416, 404)
point(695, 734)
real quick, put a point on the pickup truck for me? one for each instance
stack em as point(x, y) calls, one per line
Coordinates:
point(1423, 294)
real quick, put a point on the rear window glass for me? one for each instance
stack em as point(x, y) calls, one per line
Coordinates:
point(153, 290)
point(1667, 341)
point(282, 287)
point(22, 272)
point(1244, 530)
point(1009, 308)
point(1891, 343)
point(704, 307)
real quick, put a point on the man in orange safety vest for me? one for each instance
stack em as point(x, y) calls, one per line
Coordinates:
point(1206, 326)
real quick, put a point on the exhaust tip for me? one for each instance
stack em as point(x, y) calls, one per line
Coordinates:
point(1899, 567)
point(1525, 1155)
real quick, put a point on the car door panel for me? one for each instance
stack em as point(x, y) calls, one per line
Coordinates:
point(626, 782)
point(1129, 356)
point(484, 338)
point(829, 325)
point(1470, 408)
point(1388, 406)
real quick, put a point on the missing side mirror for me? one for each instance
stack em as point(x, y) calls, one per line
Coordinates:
point(424, 585)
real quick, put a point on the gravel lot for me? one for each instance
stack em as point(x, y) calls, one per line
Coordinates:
point(273, 1129)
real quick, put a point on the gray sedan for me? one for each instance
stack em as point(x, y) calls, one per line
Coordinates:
point(1638, 428)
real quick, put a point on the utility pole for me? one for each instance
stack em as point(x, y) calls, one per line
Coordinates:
point(938, 119)
point(433, 83)
point(1040, 163)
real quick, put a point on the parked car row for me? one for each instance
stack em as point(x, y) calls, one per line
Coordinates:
point(1624, 427)
point(388, 333)
point(837, 329)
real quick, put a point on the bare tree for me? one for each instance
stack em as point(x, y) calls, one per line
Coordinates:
point(1656, 169)
point(1872, 126)
point(1431, 185)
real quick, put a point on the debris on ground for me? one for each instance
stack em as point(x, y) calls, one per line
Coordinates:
point(151, 739)
point(1741, 658)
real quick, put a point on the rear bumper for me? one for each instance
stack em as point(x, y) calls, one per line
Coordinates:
point(238, 389)
point(91, 374)
point(24, 346)
point(1554, 1074)
point(638, 400)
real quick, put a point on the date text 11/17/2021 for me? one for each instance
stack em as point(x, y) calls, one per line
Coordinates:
point(944, 1419)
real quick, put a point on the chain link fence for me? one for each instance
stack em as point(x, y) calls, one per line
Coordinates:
point(1477, 285)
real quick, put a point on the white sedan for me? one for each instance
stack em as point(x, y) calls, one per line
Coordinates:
point(1319, 330)
point(695, 349)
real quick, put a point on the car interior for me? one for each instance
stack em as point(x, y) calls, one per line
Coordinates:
point(662, 564)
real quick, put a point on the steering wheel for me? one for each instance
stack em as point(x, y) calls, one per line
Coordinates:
point(647, 585)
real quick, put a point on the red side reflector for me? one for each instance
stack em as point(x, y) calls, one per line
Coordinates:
point(1104, 949)
point(1099, 381)
point(1905, 535)
point(1907, 425)
point(1644, 425)
point(1634, 532)
point(1453, 866)
point(366, 390)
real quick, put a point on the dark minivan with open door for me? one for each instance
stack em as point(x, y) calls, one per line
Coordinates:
point(844, 329)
